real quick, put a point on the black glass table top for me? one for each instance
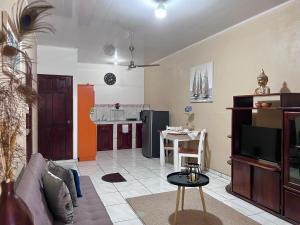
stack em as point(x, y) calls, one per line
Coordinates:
point(181, 179)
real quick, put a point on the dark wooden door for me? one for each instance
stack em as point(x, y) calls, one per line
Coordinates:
point(105, 137)
point(55, 117)
point(29, 114)
point(138, 135)
point(124, 139)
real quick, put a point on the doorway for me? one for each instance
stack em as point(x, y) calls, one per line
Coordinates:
point(55, 116)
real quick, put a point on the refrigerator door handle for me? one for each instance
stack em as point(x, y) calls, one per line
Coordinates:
point(144, 120)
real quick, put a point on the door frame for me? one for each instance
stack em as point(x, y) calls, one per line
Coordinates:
point(71, 153)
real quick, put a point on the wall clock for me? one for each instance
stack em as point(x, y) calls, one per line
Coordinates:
point(110, 79)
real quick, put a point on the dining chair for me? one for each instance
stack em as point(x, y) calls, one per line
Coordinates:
point(194, 153)
point(168, 147)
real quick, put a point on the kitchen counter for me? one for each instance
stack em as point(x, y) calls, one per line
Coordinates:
point(119, 122)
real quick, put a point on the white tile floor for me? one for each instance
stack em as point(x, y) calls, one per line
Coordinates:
point(145, 176)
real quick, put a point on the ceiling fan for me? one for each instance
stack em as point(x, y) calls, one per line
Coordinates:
point(132, 65)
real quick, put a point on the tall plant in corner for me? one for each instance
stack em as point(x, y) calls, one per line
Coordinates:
point(15, 95)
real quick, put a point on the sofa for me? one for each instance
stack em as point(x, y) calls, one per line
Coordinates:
point(90, 211)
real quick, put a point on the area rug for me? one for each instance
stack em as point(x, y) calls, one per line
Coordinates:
point(113, 178)
point(158, 209)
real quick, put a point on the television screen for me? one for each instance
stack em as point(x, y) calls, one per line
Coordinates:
point(261, 143)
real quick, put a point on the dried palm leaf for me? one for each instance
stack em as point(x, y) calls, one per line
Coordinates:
point(29, 17)
point(14, 94)
point(9, 51)
point(28, 93)
point(2, 37)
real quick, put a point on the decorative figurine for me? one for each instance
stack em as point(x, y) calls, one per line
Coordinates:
point(190, 117)
point(262, 81)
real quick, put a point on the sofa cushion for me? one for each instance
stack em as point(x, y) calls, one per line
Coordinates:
point(30, 190)
point(67, 176)
point(91, 210)
point(58, 198)
point(77, 183)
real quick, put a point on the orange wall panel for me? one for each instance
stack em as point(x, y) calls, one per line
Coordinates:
point(87, 130)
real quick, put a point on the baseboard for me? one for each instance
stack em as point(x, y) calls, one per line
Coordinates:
point(219, 174)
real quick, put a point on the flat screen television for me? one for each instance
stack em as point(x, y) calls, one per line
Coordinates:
point(261, 143)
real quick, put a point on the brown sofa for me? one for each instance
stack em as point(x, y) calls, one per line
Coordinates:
point(90, 211)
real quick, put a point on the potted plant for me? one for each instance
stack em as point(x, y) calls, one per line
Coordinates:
point(15, 96)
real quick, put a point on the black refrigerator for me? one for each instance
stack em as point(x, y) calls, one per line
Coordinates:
point(153, 122)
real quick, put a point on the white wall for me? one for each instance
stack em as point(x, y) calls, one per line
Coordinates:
point(129, 88)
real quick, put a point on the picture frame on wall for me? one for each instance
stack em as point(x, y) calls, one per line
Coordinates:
point(9, 29)
point(201, 83)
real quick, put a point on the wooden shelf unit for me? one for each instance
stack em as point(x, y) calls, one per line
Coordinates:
point(257, 163)
point(259, 182)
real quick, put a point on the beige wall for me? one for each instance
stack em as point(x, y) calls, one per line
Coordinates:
point(270, 41)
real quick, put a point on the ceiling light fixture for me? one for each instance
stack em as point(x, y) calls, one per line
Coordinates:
point(116, 58)
point(160, 11)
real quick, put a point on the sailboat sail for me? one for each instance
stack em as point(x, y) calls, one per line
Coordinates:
point(199, 84)
point(204, 87)
point(194, 90)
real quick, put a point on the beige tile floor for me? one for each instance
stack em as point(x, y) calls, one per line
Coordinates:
point(144, 177)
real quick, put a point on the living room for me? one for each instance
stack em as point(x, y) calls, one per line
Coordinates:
point(126, 92)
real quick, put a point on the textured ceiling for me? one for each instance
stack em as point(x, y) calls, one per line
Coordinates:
point(90, 24)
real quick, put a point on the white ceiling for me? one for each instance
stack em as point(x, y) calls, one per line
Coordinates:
point(90, 24)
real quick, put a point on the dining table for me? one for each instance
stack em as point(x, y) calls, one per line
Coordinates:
point(176, 138)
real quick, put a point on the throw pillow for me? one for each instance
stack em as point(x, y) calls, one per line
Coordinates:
point(58, 198)
point(77, 183)
point(67, 176)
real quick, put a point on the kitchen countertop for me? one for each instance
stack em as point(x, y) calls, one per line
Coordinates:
point(119, 122)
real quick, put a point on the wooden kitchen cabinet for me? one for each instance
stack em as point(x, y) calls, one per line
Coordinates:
point(138, 135)
point(87, 130)
point(124, 139)
point(105, 137)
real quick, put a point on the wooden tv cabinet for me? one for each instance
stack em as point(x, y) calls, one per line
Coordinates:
point(274, 187)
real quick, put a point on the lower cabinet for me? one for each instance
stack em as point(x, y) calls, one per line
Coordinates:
point(260, 185)
point(241, 179)
point(138, 135)
point(266, 188)
point(105, 137)
point(124, 139)
point(291, 205)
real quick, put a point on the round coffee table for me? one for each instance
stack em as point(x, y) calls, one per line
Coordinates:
point(181, 180)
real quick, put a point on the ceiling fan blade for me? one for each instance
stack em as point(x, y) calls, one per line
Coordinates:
point(147, 65)
point(123, 65)
point(110, 63)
